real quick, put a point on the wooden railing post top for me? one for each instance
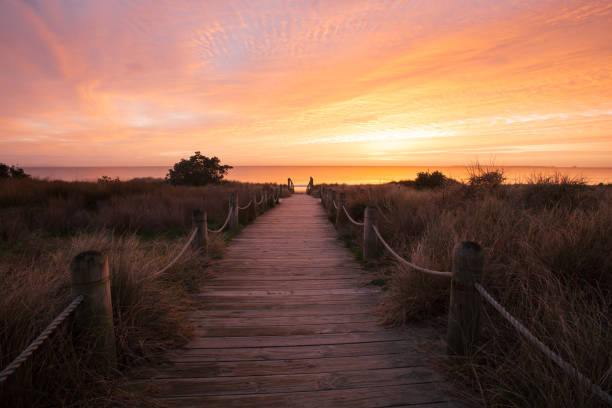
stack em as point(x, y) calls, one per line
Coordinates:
point(342, 197)
point(371, 214)
point(89, 268)
point(468, 262)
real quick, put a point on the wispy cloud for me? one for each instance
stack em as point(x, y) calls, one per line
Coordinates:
point(410, 82)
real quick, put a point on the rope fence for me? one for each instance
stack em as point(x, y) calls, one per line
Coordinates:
point(38, 341)
point(246, 206)
point(467, 272)
point(565, 366)
point(351, 219)
point(223, 226)
point(407, 263)
point(178, 256)
point(90, 277)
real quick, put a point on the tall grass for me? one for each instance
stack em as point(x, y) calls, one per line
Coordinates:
point(547, 246)
point(140, 226)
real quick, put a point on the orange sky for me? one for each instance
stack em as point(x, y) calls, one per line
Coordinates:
point(300, 82)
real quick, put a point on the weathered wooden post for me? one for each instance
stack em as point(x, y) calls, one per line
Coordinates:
point(233, 209)
point(271, 201)
point(322, 193)
point(280, 194)
point(277, 199)
point(200, 241)
point(252, 211)
point(465, 302)
point(332, 208)
point(265, 199)
point(370, 240)
point(90, 277)
point(341, 219)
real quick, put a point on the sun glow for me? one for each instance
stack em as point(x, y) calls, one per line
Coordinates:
point(400, 82)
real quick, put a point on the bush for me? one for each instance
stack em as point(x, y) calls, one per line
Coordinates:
point(197, 171)
point(485, 176)
point(12, 172)
point(425, 179)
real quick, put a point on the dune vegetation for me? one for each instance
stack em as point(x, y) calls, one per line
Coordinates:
point(547, 260)
point(140, 225)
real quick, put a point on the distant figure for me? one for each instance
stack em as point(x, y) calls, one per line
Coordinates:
point(310, 186)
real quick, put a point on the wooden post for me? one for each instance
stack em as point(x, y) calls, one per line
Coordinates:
point(277, 189)
point(271, 197)
point(90, 277)
point(341, 219)
point(233, 209)
point(200, 241)
point(252, 211)
point(264, 194)
point(370, 240)
point(281, 190)
point(332, 209)
point(465, 302)
point(323, 192)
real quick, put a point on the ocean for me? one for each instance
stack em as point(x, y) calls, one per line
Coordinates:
point(321, 174)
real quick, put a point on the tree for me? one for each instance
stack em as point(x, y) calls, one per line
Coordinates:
point(12, 172)
point(197, 171)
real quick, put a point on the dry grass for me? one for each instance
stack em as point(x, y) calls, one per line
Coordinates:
point(547, 246)
point(140, 226)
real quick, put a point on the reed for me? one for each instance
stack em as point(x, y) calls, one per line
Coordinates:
point(547, 245)
point(140, 226)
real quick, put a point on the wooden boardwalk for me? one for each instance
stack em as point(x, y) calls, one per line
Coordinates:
point(288, 322)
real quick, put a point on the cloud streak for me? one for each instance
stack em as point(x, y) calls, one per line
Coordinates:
point(343, 82)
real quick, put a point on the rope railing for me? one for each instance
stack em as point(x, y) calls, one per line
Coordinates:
point(565, 366)
point(178, 256)
point(38, 341)
point(246, 206)
point(91, 283)
point(223, 226)
point(466, 275)
point(351, 219)
point(407, 263)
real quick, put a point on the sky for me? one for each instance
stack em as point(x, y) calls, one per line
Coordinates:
point(337, 82)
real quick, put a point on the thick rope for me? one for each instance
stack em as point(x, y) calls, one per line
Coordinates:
point(351, 218)
point(335, 205)
point(25, 354)
point(246, 206)
point(229, 214)
point(176, 258)
point(410, 264)
point(260, 201)
point(568, 368)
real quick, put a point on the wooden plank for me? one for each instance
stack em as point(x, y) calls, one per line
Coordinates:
point(286, 309)
point(284, 330)
point(295, 340)
point(416, 395)
point(297, 292)
point(287, 382)
point(293, 352)
point(198, 369)
point(273, 319)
